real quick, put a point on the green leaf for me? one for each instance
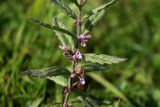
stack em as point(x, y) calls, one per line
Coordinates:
point(52, 27)
point(75, 2)
point(94, 16)
point(65, 39)
point(65, 8)
point(61, 80)
point(102, 59)
point(84, 2)
point(92, 20)
point(47, 72)
point(93, 67)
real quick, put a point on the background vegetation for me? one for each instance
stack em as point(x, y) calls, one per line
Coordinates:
point(131, 29)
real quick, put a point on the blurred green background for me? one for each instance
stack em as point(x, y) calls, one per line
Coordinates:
point(131, 29)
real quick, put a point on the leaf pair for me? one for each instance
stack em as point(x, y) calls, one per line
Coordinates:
point(59, 74)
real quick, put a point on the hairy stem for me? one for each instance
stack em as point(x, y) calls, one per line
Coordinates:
point(73, 67)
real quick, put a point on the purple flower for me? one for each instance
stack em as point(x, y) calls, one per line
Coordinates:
point(84, 39)
point(82, 80)
point(77, 55)
point(69, 54)
point(72, 75)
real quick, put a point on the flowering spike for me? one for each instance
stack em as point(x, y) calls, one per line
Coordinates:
point(84, 39)
point(70, 55)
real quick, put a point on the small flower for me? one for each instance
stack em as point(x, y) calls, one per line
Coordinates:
point(84, 39)
point(72, 75)
point(64, 48)
point(77, 55)
point(69, 54)
point(80, 74)
point(82, 80)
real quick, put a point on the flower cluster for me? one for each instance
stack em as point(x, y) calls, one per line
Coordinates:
point(80, 74)
point(75, 56)
point(84, 39)
point(70, 55)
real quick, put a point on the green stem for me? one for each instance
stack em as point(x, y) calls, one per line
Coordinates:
point(73, 67)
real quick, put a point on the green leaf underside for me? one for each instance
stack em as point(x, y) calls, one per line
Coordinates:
point(47, 72)
point(102, 59)
point(61, 80)
point(94, 16)
point(93, 67)
point(52, 27)
point(65, 39)
point(66, 9)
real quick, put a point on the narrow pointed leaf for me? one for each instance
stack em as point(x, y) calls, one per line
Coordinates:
point(84, 2)
point(75, 2)
point(103, 6)
point(94, 16)
point(65, 39)
point(102, 59)
point(52, 27)
point(65, 8)
point(92, 20)
point(47, 72)
point(90, 67)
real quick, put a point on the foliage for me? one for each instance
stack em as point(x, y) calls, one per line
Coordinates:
point(135, 36)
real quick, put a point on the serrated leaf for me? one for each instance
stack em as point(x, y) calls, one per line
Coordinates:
point(47, 72)
point(102, 59)
point(92, 21)
point(93, 67)
point(94, 16)
point(75, 2)
point(52, 27)
point(65, 8)
point(103, 6)
point(65, 39)
point(61, 80)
